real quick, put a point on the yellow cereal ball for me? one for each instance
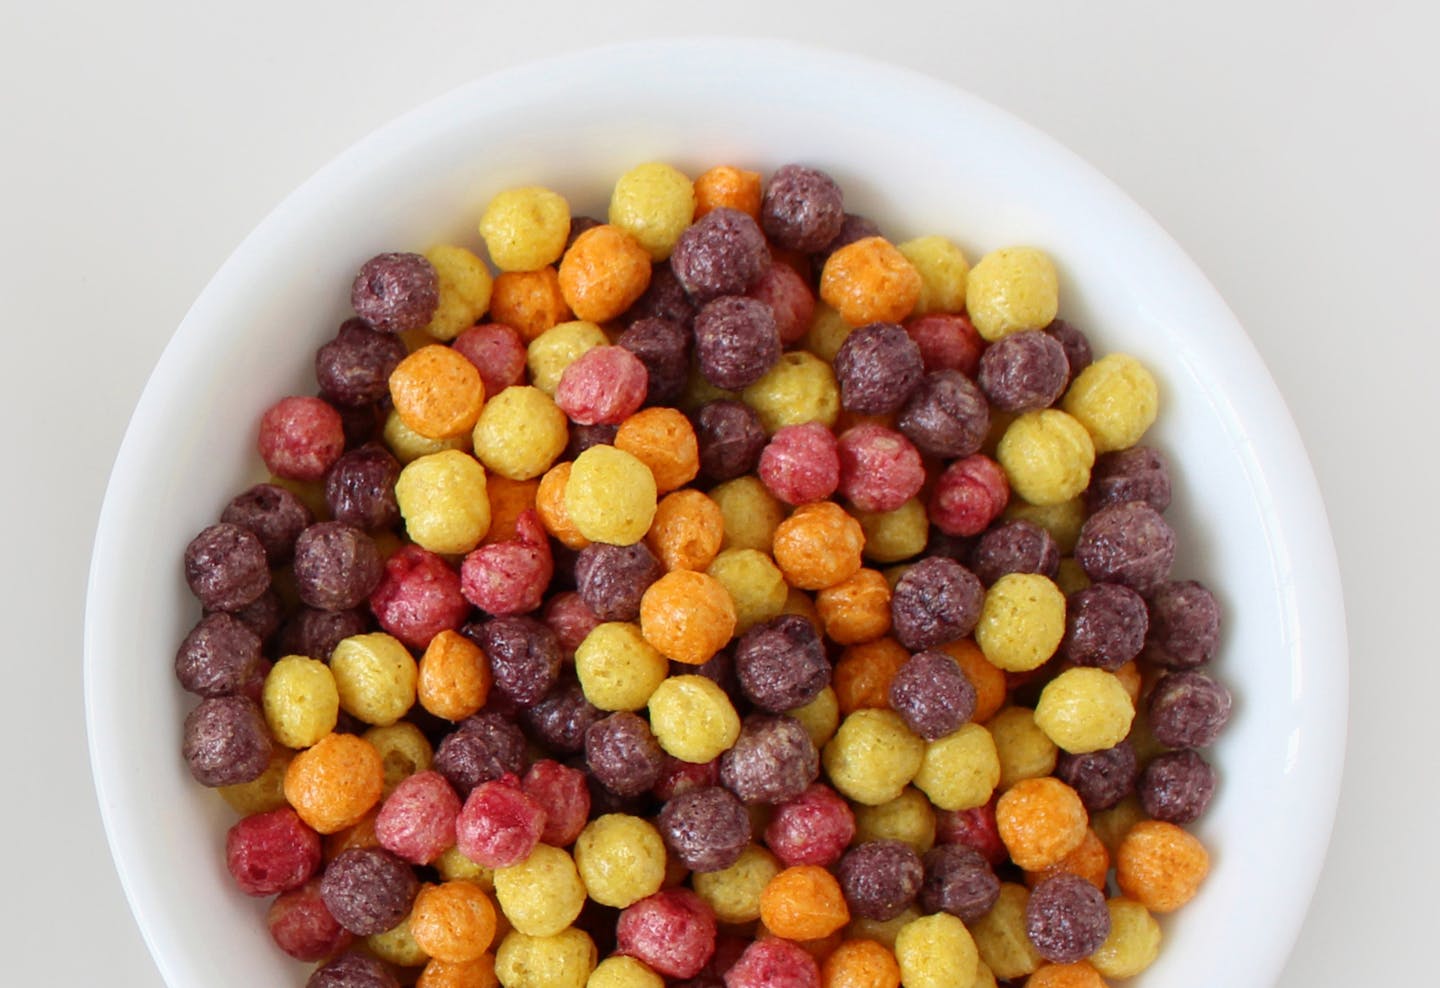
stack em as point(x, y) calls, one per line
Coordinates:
point(908, 818)
point(1000, 935)
point(618, 668)
point(397, 946)
point(376, 677)
point(936, 952)
point(734, 892)
point(542, 894)
point(755, 584)
point(408, 445)
point(692, 718)
point(1113, 824)
point(263, 793)
point(961, 770)
point(883, 932)
point(520, 433)
point(454, 866)
point(827, 333)
point(873, 756)
point(557, 348)
point(1021, 622)
point(1012, 289)
point(443, 500)
point(437, 391)
point(1116, 399)
point(654, 203)
point(1025, 751)
point(1070, 577)
point(891, 536)
point(1133, 943)
point(404, 750)
point(526, 228)
point(610, 496)
point(750, 512)
point(619, 971)
point(1062, 519)
point(465, 286)
point(1047, 456)
point(300, 701)
point(984, 977)
point(820, 717)
point(621, 859)
point(1084, 710)
point(562, 961)
point(799, 388)
point(550, 506)
point(943, 273)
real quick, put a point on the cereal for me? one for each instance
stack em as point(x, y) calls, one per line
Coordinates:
point(464, 290)
point(877, 367)
point(408, 445)
point(334, 783)
point(525, 228)
point(671, 931)
point(827, 332)
point(368, 890)
point(263, 793)
point(359, 488)
point(375, 676)
point(959, 881)
point(498, 353)
point(604, 385)
point(692, 719)
point(486, 747)
point(395, 292)
point(804, 902)
point(560, 720)
point(932, 695)
point(873, 756)
point(271, 852)
point(936, 601)
point(936, 952)
point(772, 761)
point(557, 348)
point(520, 433)
point(272, 514)
point(353, 369)
point(961, 770)
point(864, 673)
point(226, 742)
point(880, 878)
point(417, 821)
point(663, 348)
point(789, 297)
point(226, 567)
point(728, 187)
point(453, 677)
point(707, 828)
point(1105, 626)
point(1140, 473)
point(1012, 289)
point(621, 859)
point(437, 392)
point(300, 700)
point(603, 272)
point(499, 825)
point(618, 971)
point(610, 496)
point(1015, 546)
point(662, 439)
point(723, 253)
point(752, 514)
point(1025, 371)
point(218, 657)
point(618, 669)
point(530, 302)
point(730, 438)
point(1040, 821)
point(1084, 710)
point(336, 566)
point(443, 501)
point(404, 750)
point(1133, 943)
point(352, 969)
point(453, 922)
point(1129, 544)
point(562, 961)
point(396, 946)
point(857, 609)
point(969, 495)
point(801, 463)
point(612, 579)
point(781, 664)
point(814, 828)
point(1176, 786)
point(946, 342)
point(664, 298)
point(1022, 622)
point(564, 795)
point(688, 616)
point(860, 964)
point(1115, 399)
point(803, 208)
point(510, 577)
point(891, 536)
point(736, 341)
point(1025, 751)
point(734, 892)
point(1066, 918)
point(946, 415)
point(1184, 628)
point(623, 754)
point(301, 926)
point(818, 546)
point(541, 895)
point(879, 469)
point(654, 203)
point(1047, 456)
point(1188, 709)
point(975, 828)
point(524, 657)
point(687, 530)
point(1001, 937)
point(1101, 778)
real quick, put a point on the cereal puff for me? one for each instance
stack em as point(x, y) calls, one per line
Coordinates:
point(799, 388)
point(620, 971)
point(908, 818)
point(375, 676)
point(404, 751)
point(664, 440)
point(263, 793)
point(803, 902)
point(465, 287)
point(397, 946)
point(687, 531)
point(479, 973)
point(860, 964)
point(750, 513)
point(550, 506)
point(873, 756)
point(1047, 456)
point(443, 500)
point(692, 718)
point(300, 701)
point(961, 770)
point(529, 302)
point(1116, 399)
point(857, 609)
point(334, 783)
point(827, 333)
point(1022, 622)
point(1133, 943)
point(407, 445)
point(936, 952)
point(621, 859)
point(520, 433)
point(654, 203)
point(734, 892)
point(892, 536)
point(541, 895)
point(557, 348)
point(818, 546)
point(870, 281)
point(943, 270)
point(755, 584)
point(564, 960)
point(1012, 289)
point(437, 392)
point(610, 496)
point(728, 187)
point(525, 228)
point(1001, 937)
point(688, 616)
point(618, 668)
point(1062, 519)
point(1026, 752)
point(1160, 865)
point(1040, 821)
point(1084, 710)
point(453, 678)
point(603, 273)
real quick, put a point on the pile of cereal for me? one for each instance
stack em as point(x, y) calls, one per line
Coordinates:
point(722, 594)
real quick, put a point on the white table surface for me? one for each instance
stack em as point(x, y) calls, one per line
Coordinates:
point(1291, 149)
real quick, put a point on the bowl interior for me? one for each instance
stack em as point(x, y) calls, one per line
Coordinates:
point(915, 155)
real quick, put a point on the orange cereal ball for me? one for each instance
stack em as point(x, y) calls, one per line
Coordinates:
point(520, 433)
point(688, 616)
point(1090, 861)
point(479, 973)
point(1077, 975)
point(943, 273)
point(529, 302)
point(453, 922)
point(727, 187)
point(437, 392)
point(1084, 710)
point(562, 961)
point(1001, 937)
point(526, 228)
point(557, 348)
point(751, 513)
point(453, 679)
point(692, 718)
point(465, 287)
point(803, 903)
point(936, 952)
point(1160, 865)
point(508, 500)
point(300, 701)
point(818, 546)
point(687, 531)
point(860, 964)
point(550, 506)
point(891, 536)
point(664, 440)
point(960, 771)
point(610, 496)
point(541, 895)
point(444, 502)
point(908, 818)
point(603, 273)
point(1012, 289)
point(755, 584)
point(863, 675)
point(1040, 821)
point(857, 609)
point(654, 203)
point(799, 388)
point(873, 756)
point(1026, 752)
point(1022, 621)
point(375, 675)
point(988, 680)
point(870, 281)
point(333, 784)
point(1133, 943)
point(820, 717)
point(1116, 399)
point(407, 445)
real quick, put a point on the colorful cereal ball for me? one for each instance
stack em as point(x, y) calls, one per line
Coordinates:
point(943, 271)
point(688, 616)
point(1160, 865)
point(961, 770)
point(751, 513)
point(736, 341)
point(1066, 918)
point(618, 669)
point(408, 445)
point(520, 433)
point(300, 700)
point(734, 892)
point(541, 895)
point(465, 286)
point(610, 496)
point(499, 825)
point(498, 353)
point(618, 971)
point(302, 926)
point(1022, 622)
point(799, 388)
point(803, 902)
point(664, 440)
point(1115, 399)
point(1040, 821)
point(891, 536)
point(525, 228)
point(564, 960)
point(352, 968)
point(375, 676)
point(728, 187)
point(813, 828)
point(529, 301)
point(880, 469)
point(654, 203)
point(1084, 710)
point(395, 292)
point(453, 679)
point(857, 609)
point(873, 756)
point(621, 859)
point(687, 531)
point(818, 546)
point(860, 964)
point(603, 386)
point(1001, 937)
point(672, 931)
point(722, 254)
point(437, 392)
point(417, 821)
point(936, 952)
point(557, 348)
point(603, 272)
point(692, 718)
point(1133, 943)
point(773, 963)
point(801, 463)
point(781, 664)
point(263, 793)
point(271, 852)
point(1080, 974)
point(1047, 456)
point(821, 716)
point(334, 783)
point(870, 281)
point(443, 501)
point(1026, 752)
point(969, 495)
point(1012, 289)
point(300, 438)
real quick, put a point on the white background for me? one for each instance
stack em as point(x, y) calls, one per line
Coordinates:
point(1291, 149)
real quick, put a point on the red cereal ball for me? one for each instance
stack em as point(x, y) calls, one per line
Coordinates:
point(498, 353)
point(417, 822)
point(673, 931)
point(969, 495)
point(271, 852)
point(564, 795)
point(801, 463)
point(508, 578)
point(300, 437)
point(419, 596)
point(605, 386)
point(499, 825)
point(975, 828)
point(879, 468)
point(678, 777)
point(301, 925)
point(774, 963)
point(814, 828)
point(571, 619)
point(947, 342)
point(792, 301)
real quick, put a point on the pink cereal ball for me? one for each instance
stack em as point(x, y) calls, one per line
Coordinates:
point(672, 931)
point(417, 822)
point(301, 437)
point(418, 597)
point(605, 386)
point(814, 828)
point(969, 495)
point(879, 468)
point(509, 578)
point(774, 963)
point(271, 852)
point(571, 619)
point(499, 825)
point(301, 925)
point(947, 342)
point(782, 288)
point(497, 352)
point(565, 796)
point(801, 463)
point(976, 829)
point(678, 777)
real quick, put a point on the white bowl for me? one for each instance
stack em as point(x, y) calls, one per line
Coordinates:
point(915, 154)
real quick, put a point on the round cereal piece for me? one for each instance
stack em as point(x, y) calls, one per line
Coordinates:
point(443, 501)
point(751, 513)
point(499, 825)
point(687, 531)
point(730, 437)
point(479, 973)
point(664, 298)
point(360, 488)
point(959, 881)
point(419, 597)
point(300, 700)
point(1015, 546)
point(1140, 473)
point(878, 367)
point(316, 633)
point(437, 392)
point(541, 895)
point(693, 719)
point(525, 228)
point(1047, 456)
point(557, 348)
point(404, 750)
point(781, 663)
point(799, 388)
point(663, 347)
point(1079, 974)
point(302, 927)
point(943, 271)
point(688, 616)
point(220, 656)
point(1090, 861)
point(870, 281)
point(1021, 622)
point(603, 386)
point(368, 890)
point(773, 963)
point(662, 439)
point(565, 960)
point(408, 445)
point(818, 546)
point(335, 782)
point(803, 208)
point(1116, 399)
point(1078, 354)
point(892, 536)
point(736, 341)
point(803, 902)
point(1129, 544)
point(1024, 371)
point(946, 415)
point(801, 463)
point(1184, 629)
point(524, 657)
point(789, 296)
point(707, 829)
point(879, 469)
point(988, 680)
point(1084, 710)
point(855, 610)
point(1102, 778)
point(820, 717)
point(454, 922)
point(727, 187)
point(353, 369)
point(1066, 918)
point(612, 579)
point(1187, 709)
point(530, 302)
point(263, 793)
point(563, 792)
point(961, 770)
point(827, 332)
point(814, 828)
point(723, 253)
point(610, 496)
point(352, 970)
point(272, 514)
point(397, 947)
point(975, 828)
point(226, 742)
point(672, 931)
point(465, 286)
point(1062, 520)
point(560, 720)
point(1040, 821)
point(860, 964)
point(271, 852)
point(621, 859)
point(336, 566)
point(603, 273)
point(772, 761)
point(1105, 626)
point(936, 952)
point(618, 971)
point(864, 673)
point(1133, 943)
point(396, 292)
point(417, 820)
point(873, 756)
point(1025, 751)
point(654, 203)
point(879, 878)
point(936, 601)
point(932, 695)
point(520, 433)
point(734, 892)
point(622, 754)
point(1001, 938)
point(226, 567)
point(618, 668)
point(947, 342)
point(968, 496)
point(375, 676)
point(453, 677)
point(483, 748)
point(1010, 290)
point(1176, 786)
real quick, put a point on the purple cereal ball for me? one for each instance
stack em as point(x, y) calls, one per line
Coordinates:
point(352, 970)
point(705, 828)
point(932, 695)
point(316, 633)
point(1177, 786)
point(263, 615)
point(880, 878)
point(1105, 626)
point(1184, 625)
point(772, 761)
point(274, 515)
point(781, 664)
point(1024, 372)
point(946, 416)
point(722, 253)
point(360, 488)
point(623, 755)
point(482, 748)
point(582, 437)
point(1187, 709)
point(663, 346)
point(803, 209)
point(1066, 918)
point(611, 579)
point(226, 741)
point(1140, 473)
point(524, 656)
point(1129, 544)
point(336, 566)
point(877, 367)
point(354, 368)
point(664, 298)
point(368, 890)
point(1017, 546)
point(560, 720)
point(958, 881)
point(396, 293)
point(736, 341)
point(936, 601)
point(219, 657)
point(1100, 778)
point(361, 425)
point(226, 568)
point(730, 438)
point(1074, 343)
